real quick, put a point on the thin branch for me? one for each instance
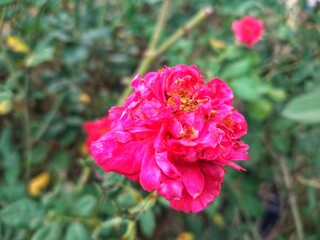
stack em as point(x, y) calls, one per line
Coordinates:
point(44, 127)
point(196, 20)
point(292, 196)
point(315, 183)
point(151, 56)
point(160, 24)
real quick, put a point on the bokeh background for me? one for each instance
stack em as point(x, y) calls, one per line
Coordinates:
point(64, 62)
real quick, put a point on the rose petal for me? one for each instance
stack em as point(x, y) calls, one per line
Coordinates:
point(166, 166)
point(212, 188)
point(150, 175)
point(170, 189)
point(192, 178)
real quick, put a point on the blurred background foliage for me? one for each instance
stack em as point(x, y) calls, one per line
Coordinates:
point(63, 62)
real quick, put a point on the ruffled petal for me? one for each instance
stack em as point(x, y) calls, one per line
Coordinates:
point(170, 189)
point(192, 178)
point(188, 204)
point(113, 155)
point(166, 166)
point(150, 175)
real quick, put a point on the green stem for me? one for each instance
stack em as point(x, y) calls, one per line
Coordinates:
point(292, 198)
point(10, 65)
point(226, 53)
point(131, 231)
point(193, 22)
point(76, 14)
point(235, 191)
point(289, 185)
point(43, 128)
point(147, 60)
point(151, 56)
point(2, 16)
point(315, 183)
point(160, 24)
point(26, 124)
point(83, 178)
point(93, 222)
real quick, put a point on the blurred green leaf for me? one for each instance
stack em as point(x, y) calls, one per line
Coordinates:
point(237, 69)
point(95, 34)
point(39, 152)
point(106, 226)
point(22, 213)
point(9, 155)
point(246, 88)
point(60, 161)
point(163, 202)
point(84, 206)
point(75, 54)
point(277, 94)
point(5, 94)
point(126, 199)
point(148, 223)
point(281, 143)
point(6, 2)
point(77, 231)
point(260, 109)
point(252, 206)
point(68, 137)
point(48, 232)
point(304, 108)
point(39, 56)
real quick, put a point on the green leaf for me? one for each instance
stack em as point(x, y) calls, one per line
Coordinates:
point(75, 54)
point(111, 223)
point(304, 108)
point(252, 206)
point(48, 232)
point(277, 94)
point(77, 231)
point(246, 88)
point(60, 161)
point(40, 55)
point(6, 2)
point(260, 109)
point(39, 152)
point(5, 94)
point(85, 205)
point(9, 156)
point(162, 201)
point(147, 223)
point(94, 34)
point(281, 143)
point(22, 213)
point(5, 139)
point(237, 69)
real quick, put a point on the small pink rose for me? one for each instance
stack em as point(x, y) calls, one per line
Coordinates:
point(248, 30)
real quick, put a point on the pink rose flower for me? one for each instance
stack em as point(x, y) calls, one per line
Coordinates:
point(174, 135)
point(248, 30)
point(95, 129)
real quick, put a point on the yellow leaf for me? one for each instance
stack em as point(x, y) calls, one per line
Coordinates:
point(217, 44)
point(5, 107)
point(84, 151)
point(185, 236)
point(16, 44)
point(218, 220)
point(84, 98)
point(37, 184)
